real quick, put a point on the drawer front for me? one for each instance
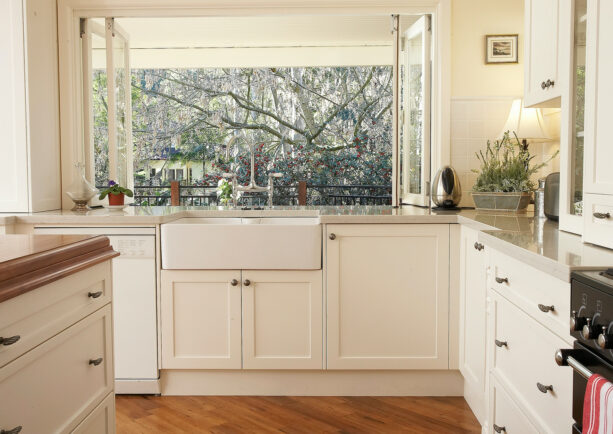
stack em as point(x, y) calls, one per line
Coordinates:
point(54, 386)
point(543, 297)
point(101, 420)
point(523, 359)
point(506, 416)
point(39, 314)
point(598, 219)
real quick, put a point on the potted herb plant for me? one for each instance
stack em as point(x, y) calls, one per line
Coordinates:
point(116, 194)
point(504, 182)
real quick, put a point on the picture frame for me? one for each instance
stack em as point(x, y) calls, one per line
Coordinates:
point(501, 49)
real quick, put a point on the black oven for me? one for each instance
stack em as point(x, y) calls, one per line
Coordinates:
point(591, 324)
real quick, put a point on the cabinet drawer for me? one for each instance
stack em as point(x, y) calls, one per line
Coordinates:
point(533, 291)
point(101, 420)
point(598, 219)
point(53, 387)
point(506, 415)
point(39, 314)
point(523, 359)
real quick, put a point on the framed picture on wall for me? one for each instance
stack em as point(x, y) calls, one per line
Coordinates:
point(501, 49)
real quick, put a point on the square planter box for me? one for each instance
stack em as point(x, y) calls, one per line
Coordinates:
point(494, 201)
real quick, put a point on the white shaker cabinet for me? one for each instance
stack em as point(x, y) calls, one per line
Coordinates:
point(201, 319)
point(544, 28)
point(29, 101)
point(473, 321)
point(387, 296)
point(282, 319)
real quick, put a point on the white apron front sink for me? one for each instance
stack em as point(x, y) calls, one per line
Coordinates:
point(242, 243)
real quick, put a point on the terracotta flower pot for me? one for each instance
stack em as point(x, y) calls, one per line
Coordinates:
point(116, 199)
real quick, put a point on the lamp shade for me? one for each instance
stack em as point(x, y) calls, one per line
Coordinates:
point(527, 123)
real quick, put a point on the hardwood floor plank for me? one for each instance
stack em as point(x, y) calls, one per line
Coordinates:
point(293, 414)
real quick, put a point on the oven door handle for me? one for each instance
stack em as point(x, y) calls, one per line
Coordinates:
point(566, 358)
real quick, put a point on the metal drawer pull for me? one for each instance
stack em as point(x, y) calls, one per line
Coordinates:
point(544, 388)
point(332, 236)
point(234, 282)
point(479, 246)
point(602, 215)
point(545, 308)
point(502, 279)
point(501, 344)
point(247, 282)
point(94, 294)
point(15, 430)
point(95, 362)
point(9, 341)
point(499, 428)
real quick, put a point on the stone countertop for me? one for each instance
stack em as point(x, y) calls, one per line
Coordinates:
point(537, 242)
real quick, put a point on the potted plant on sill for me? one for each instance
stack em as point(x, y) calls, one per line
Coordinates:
point(116, 194)
point(504, 182)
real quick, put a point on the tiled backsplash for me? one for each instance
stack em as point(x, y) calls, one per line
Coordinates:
point(474, 121)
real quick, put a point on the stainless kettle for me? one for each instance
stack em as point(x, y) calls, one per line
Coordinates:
point(446, 189)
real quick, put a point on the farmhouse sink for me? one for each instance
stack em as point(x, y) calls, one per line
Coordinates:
point(292, 243)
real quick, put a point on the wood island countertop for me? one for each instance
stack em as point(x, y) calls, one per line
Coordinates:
point(28, 262)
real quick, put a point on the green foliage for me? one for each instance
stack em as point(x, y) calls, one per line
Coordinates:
point(115, 189)
point(224, 191)
point(506, 166)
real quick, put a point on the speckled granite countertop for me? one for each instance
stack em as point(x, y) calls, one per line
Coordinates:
point(537, 242)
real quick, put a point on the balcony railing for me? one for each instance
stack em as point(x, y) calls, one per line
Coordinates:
point(302, 193)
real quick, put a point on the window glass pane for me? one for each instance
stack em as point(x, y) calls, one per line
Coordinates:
point(415, 124)
point(120, 109)
point(576, 201)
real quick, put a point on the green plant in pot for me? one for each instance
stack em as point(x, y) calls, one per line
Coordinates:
point(504, 182)
point(116, 193)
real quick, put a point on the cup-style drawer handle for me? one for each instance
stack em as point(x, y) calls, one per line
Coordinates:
point(502, 279)
point(543, 388)
point(247, 282)
point(545, 308)
point(94, 294)
point(95, 362)
point(602, 215)
point(499, 428)
point(15, 430)
point(501, 344)
point(9, 341)
point(234, 282)
point(478, 246)
point(332, 236)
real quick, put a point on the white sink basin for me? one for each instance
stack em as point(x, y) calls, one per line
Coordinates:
point(292, 243)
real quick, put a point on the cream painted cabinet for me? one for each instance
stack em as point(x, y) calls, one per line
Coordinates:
point(201, 319)
point(282, 319)
point(29, 101)
point(473, 321)
point(387, 296)
point(544, 26)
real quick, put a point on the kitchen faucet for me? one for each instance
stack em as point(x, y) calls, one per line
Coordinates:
point(252, 186)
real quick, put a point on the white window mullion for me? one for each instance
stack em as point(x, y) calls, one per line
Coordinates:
point(111, 103)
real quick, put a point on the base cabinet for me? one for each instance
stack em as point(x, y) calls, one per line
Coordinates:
point(387, 296)
point(101, 420)
point(505, 415)
point(201, 319)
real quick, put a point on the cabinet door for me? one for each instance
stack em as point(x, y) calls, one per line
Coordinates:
point(505, 414)
point(598, 176)
point(473, 321)
point(388, 292)
point(201, 319)
point(541, 51)
point(282, 320)
point(101, 420)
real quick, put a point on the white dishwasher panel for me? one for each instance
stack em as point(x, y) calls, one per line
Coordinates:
point(134, 302)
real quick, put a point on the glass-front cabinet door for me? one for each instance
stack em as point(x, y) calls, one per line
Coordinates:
point(571, 138)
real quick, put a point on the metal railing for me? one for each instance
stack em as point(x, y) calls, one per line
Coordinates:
point(300, 194)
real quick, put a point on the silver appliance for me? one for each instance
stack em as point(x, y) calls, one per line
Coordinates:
point(551, 205)
point(446, 189)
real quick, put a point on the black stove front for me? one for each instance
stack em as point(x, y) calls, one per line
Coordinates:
point(591, 324)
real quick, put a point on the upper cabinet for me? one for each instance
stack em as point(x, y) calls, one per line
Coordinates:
point(29, 106)
point(543, 32)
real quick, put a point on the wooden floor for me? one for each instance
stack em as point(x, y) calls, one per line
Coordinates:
point(264, 414)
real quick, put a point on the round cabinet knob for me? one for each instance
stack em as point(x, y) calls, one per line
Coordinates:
point(478, 246)
point(543, 85)
point(247, 282)
point(605, 340)
point(550, 83)
point(332, 236)
point(234, 282)
point(576, 322)
point(589, 330)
